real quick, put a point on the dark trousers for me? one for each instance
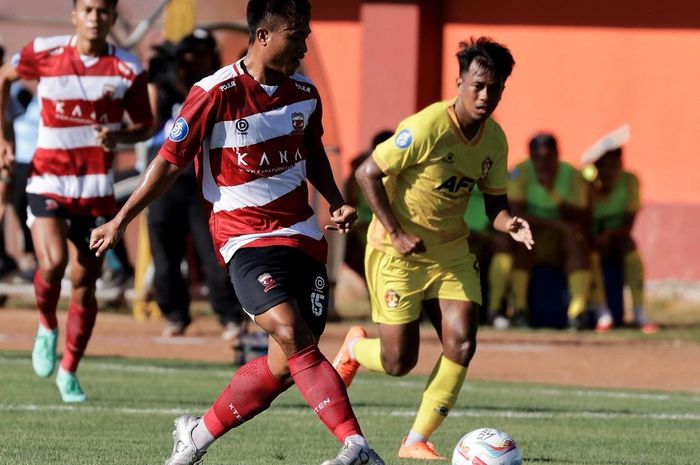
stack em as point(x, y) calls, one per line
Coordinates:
point(19, 201)
point(170, 219)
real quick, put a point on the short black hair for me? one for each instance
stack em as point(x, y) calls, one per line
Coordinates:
point(258, 11)
point(490, 55)
point(113, 2)
point(543, 139)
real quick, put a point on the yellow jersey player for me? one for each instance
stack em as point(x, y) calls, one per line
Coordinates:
point(615, 200)
point(418, 185)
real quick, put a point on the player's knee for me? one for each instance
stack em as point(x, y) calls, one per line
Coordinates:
point(461, 350)
point(399, 366)
point(52, 272)
point(292, 338)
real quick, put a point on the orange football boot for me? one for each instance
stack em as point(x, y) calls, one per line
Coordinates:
point(343, 364)
point(419, 451)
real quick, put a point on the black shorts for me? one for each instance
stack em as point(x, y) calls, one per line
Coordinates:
point(79, 226)
point(267, 276)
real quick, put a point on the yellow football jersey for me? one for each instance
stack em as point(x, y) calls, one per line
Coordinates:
point(431, 170)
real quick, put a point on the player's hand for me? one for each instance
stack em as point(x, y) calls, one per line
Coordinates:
point(342, 219)
point(7, 154)
point(519, 229)
point(407, 243)
point(106, 138)
point(106, 236)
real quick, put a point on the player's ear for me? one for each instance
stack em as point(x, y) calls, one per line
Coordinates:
point(459, 82)
point(262, 35)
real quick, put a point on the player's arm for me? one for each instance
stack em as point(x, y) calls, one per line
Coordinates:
point(8, 74)
point(158, 178)
point(498, 211)
point(320, 175)
point(369, 176)
point(137, 104)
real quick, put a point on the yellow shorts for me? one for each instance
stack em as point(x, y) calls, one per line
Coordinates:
point(397, 286)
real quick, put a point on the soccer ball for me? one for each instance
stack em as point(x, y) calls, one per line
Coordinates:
point(487, 446)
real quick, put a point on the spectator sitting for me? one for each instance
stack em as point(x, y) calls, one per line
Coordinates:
point(615, 201)
point(552, 196)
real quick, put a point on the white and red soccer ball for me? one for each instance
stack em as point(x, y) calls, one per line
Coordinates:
point(487, 446)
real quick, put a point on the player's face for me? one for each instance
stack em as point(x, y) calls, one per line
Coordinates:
point(93, 19)
point(286, 46)
point(609, 167)
point(479, 91)
point(545, 159)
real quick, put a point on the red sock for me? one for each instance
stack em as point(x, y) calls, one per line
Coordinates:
point(46, 301)
point(324, 391)
point(251, 391)
point(81, 320)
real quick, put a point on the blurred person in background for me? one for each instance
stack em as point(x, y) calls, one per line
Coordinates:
point(85, 85)
point(616, 202)
point(552, 195)
point(418, 185)
point(357, 237)
point(179, 213)
point(10, 111)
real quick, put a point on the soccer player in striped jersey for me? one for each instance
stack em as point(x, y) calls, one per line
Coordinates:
point(85, 86)
point(254, 130)
point(418, 184)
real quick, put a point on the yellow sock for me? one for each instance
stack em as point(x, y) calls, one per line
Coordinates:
point(634, 277)
point(598, 297)
point(499, 274)
point(579, 288)
point(439, 396)
point(521, 281)
point(369, 353)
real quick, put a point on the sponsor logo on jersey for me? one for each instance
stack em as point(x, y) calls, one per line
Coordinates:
point(242, 126)
point(306, 89)
point(179, 131)
point(227, 86)
point(298, 123)
point(454, 184)
point(403, 139)
point(449, 158)
point(392, 299)
point(486, 166)
point(267, 281)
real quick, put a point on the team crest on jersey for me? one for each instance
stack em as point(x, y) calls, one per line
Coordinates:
point(392, 299)
point(179, 131)
point(449, 158)
point(486, 166)
point(298, 123)
point(108, 91)
point(267, 281)
point(403, 139)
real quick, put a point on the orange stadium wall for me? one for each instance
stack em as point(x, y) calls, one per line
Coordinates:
point(582, 69)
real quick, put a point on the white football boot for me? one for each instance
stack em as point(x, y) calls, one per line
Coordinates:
point(355, 454)
point(184, 450)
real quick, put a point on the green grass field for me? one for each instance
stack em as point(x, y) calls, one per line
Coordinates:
point(132, 404)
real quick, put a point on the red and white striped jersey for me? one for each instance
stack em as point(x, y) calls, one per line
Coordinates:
point(251, 150)
point(77, 93)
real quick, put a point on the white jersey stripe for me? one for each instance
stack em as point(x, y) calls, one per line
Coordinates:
point(307, 228)
point(260, 191)
point(69, 138)
point(260, 127)
point(73, 187)
point(41, 44)
point(72, 87)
